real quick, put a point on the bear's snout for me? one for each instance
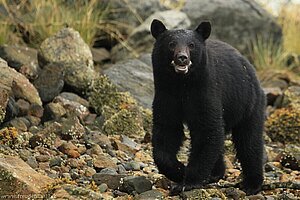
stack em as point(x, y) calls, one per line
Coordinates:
point(181, 61)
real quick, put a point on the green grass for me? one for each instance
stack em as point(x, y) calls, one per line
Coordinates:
point(35, 20)
point(267, 54)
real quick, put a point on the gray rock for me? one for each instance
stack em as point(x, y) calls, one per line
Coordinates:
point(16, 83)
point(56, 161)
point(31, 161)
point(102, 188)
point(133, 76)
point(233, 21)
point(100, 55)
point(138, 184)
point(21, 58)
point(53, 111)
point(50, 82)
point(112, 181)
point(141, 40)
point(110, 171)
point(67, 48)
point(150, 195)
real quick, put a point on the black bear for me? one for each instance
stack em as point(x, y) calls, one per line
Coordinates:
point(209, 86)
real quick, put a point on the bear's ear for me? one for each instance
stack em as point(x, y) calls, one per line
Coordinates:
point(157, 28)
point(204, 29)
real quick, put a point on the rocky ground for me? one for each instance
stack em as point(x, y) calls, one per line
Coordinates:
point(68, 132)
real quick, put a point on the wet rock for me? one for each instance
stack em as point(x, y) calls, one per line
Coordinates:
point(112, 181)
point(223, 13)
point(11, 80)
point(138, 184)
point(23, 59)
point(150, 195)
point(50, 81)
point(17, 177)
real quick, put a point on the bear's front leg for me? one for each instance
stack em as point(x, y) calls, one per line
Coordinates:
point(207, 143)
point(167, 136)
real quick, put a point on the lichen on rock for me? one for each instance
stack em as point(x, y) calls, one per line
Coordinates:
point(119, 110)
point(283, 125)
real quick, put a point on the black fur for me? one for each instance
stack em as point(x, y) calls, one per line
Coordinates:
point(220, 93)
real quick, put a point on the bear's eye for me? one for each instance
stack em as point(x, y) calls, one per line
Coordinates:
point(172, 45)
point(191, 45)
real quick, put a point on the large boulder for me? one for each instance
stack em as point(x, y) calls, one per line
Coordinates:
point(234, 21)
point(69, 50)
point(141, 40)
point(18, 178)
point(17, 84)
point(134, 76)
point(21, 58)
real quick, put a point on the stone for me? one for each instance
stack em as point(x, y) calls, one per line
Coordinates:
point(96, 150)
point(291, 97)
point(18, 84)
point(18, 123)
point(31, 161)
point(102, 187)
point(72, 128)
point(137, 184)
point(100, 55)
point(141, 40)
point(123, 147)
point(150, 195)
point(23, 107)
point(53, 111)
point(18, 178)
point(50, 81)
point(134, 76)
point(108, 170)
point(112, 181)
point(102, 161)
point(272, 94)
point(42, 158)
point(55, 161)
point(70, 149)
point(36, 110)
point(66, 47)
point(4, 98)
point(89, 172)
point(204, 194)
point(222, 14)
point(21, 58)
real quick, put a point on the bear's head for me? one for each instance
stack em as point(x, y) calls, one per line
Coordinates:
point(179, 50)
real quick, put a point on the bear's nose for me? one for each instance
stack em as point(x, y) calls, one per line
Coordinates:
point(182, 59)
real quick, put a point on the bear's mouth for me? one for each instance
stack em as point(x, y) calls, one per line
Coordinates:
point(182, 69)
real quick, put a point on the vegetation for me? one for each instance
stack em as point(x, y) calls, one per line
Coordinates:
point(33, 21)
point(120, 112)
point(269, 54)
point(283, 125)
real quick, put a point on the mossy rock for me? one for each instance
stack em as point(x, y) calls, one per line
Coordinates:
point(119, 110)
point(291, 97)
point(283, 125)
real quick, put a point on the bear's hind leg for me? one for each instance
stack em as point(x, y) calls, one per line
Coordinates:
point(248, 141)
point(218, 171)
